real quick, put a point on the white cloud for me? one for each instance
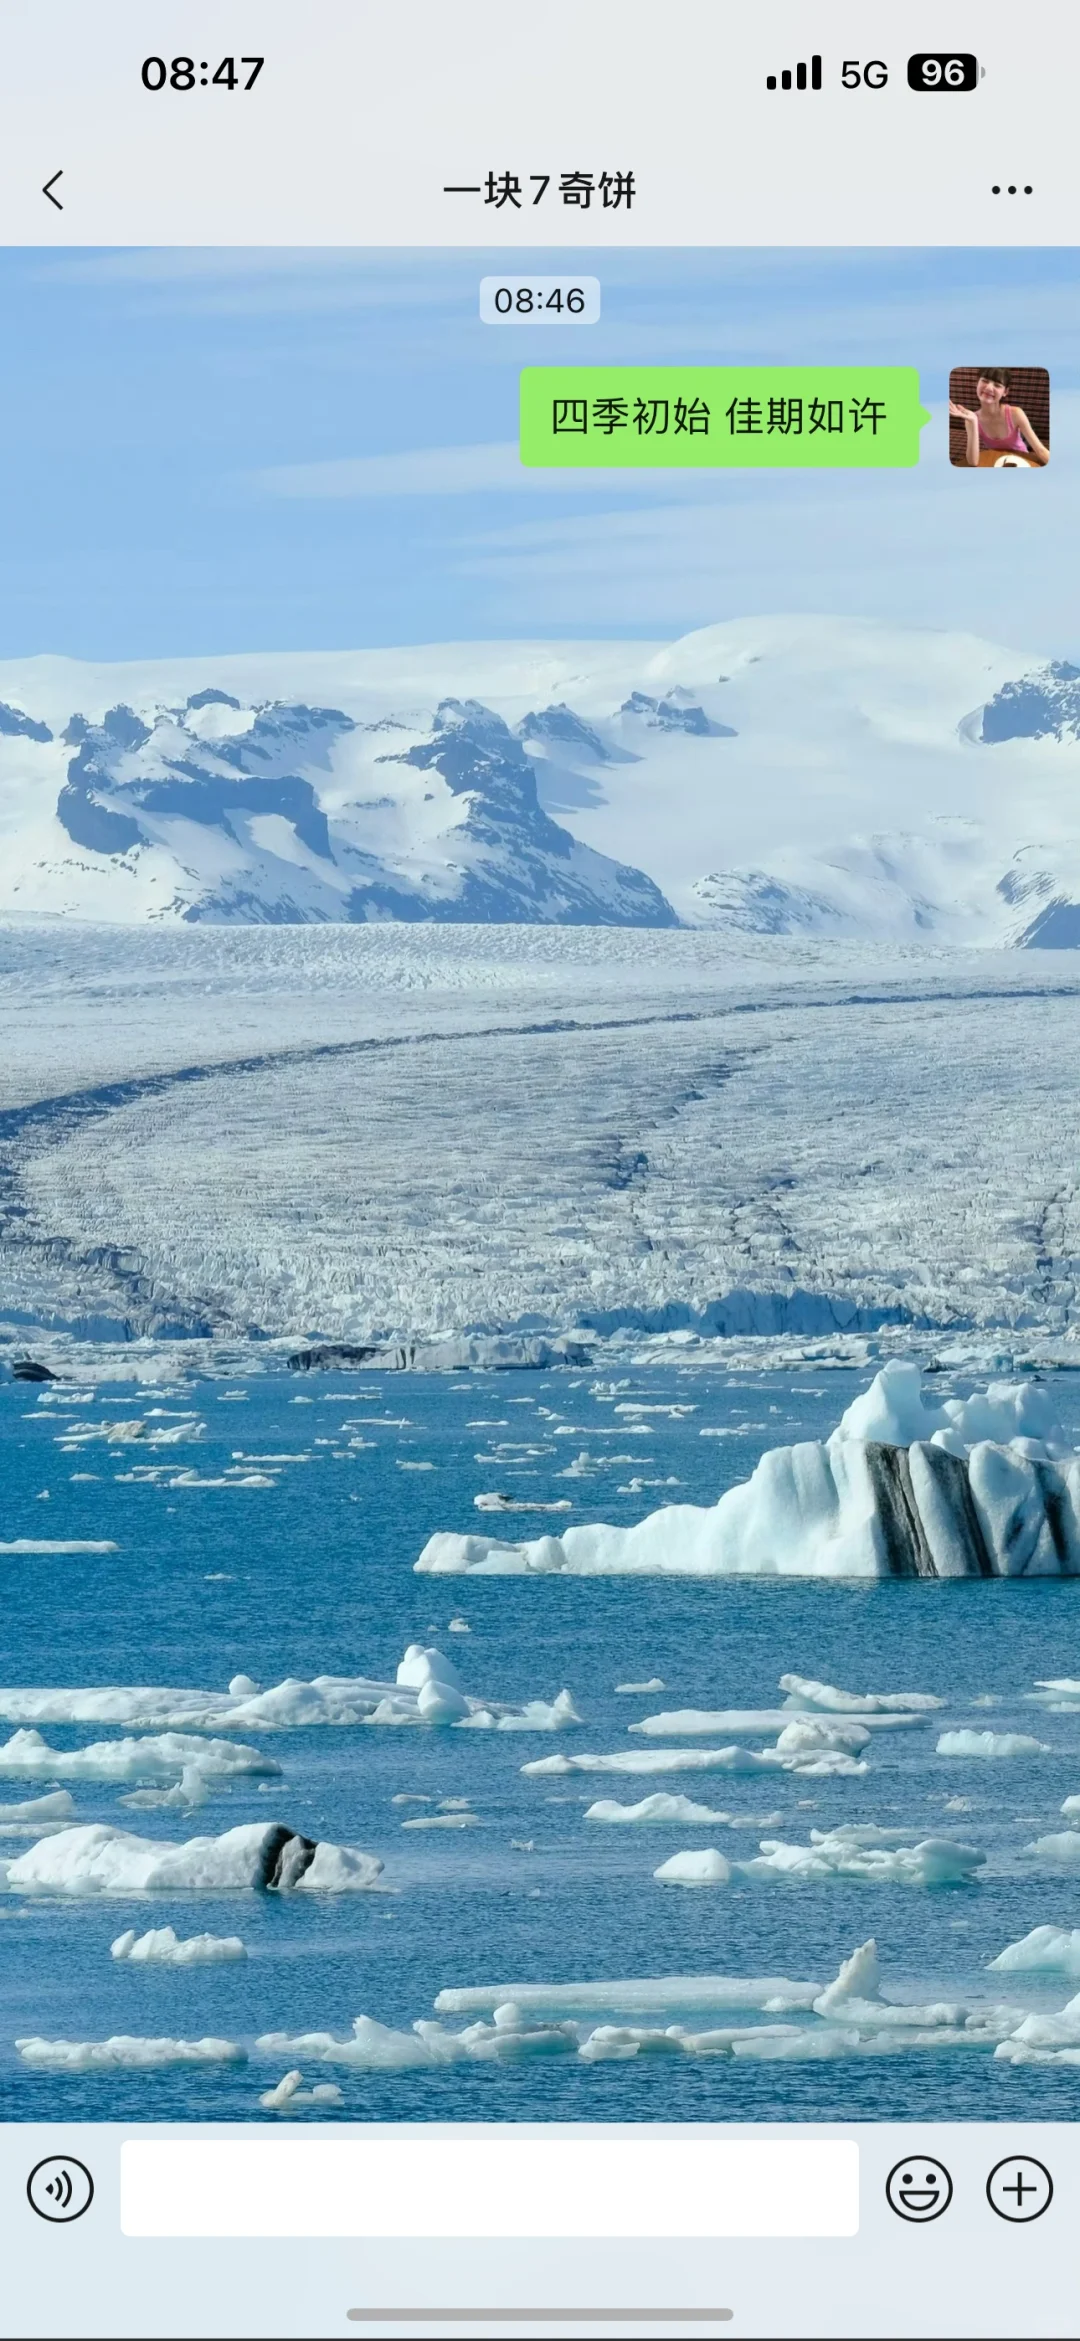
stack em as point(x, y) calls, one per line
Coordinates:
point(492, 468)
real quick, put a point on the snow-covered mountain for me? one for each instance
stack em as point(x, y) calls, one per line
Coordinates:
point(775, 775)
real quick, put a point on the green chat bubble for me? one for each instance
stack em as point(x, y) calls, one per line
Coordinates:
point(702, 417)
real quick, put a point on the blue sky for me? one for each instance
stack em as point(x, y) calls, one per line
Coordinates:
point(206, 451)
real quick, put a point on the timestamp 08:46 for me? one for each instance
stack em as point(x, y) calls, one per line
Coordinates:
point(539, 300)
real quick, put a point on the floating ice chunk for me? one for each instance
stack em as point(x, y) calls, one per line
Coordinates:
point(990, 1743)
point(459, 1626)
point(294, 1705)
point(625, 1689)
point(99, 1859)
point(707, 1868)
point(1047, 1950)
point(816, 1761)
point(1051, 2031)
point(803, 1691)
point(658, 1808)
point(127, 2052)
point(1063, 1848)
point(536, 1715)
point(1071, 1807)
point(441, 1702)
point(372, 2047)
point(976, 1487)
point(50, 1811)
point(936, 1861)
point(504, 1503)
point(27, 1756)
point(858, 1979)
point(276, 2099)
point(288, 2096)
point(444, 1821)
point(163, 1945)
point(809, 1733)
point(52, 1544)
point(1060, 1696)
point(185, 1794)
point(645, 1995)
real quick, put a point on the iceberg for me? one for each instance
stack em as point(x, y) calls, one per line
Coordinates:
point(936, 1861)
point(815, 1759)
point(1047, 1950)
point(803, 1691)
point(643, 1995)
point(707, 1722)
point(162, 1946)
point(1062, 1848)
point(38, 1816)
point(126, 2052)
point(847, 2017)
point(288, 2094)
point(653, 1809)
point(427, 1690)
point(98, 1859)
point(27, 1756)
point(707, 1868)
point(990, 1743)
point(977, 1487)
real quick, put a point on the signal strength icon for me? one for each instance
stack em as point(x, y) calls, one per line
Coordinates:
point(800, 80)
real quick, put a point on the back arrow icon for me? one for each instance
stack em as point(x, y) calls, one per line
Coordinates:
point(48, 187)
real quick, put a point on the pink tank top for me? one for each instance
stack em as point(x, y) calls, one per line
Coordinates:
point(1013, 445)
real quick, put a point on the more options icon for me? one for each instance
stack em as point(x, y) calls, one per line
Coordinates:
point(60, 2188)
point(1019, 2188)
point(918, 2188)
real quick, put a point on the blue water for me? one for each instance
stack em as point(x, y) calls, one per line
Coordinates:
point(314, 1575)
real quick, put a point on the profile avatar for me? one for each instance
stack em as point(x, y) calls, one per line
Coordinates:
point(989, 429)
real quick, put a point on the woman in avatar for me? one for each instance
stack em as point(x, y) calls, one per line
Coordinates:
point(995, 428)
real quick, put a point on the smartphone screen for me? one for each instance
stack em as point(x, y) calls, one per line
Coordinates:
point(539, 1013)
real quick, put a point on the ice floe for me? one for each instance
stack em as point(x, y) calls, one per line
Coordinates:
point(817, 1758)
point(705, 1868)
point(990, 1743)
point(1063, 1849)
point(98, 1859)
point(977, 1487)
point(427, 1690)
point(1047, 1950)
point(803, 1691)
point(59, 1544)
point(652, 1809)
point(163, 1947)
point(288, 2095)
point(675, 2016)
point(38, 1816)
point(835, 1854)
point(27, 1756)
point(127, 2052)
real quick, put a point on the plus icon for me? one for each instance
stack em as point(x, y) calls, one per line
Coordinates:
point(1019, 2189)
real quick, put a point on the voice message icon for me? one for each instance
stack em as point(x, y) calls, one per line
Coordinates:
point(60, 2188)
